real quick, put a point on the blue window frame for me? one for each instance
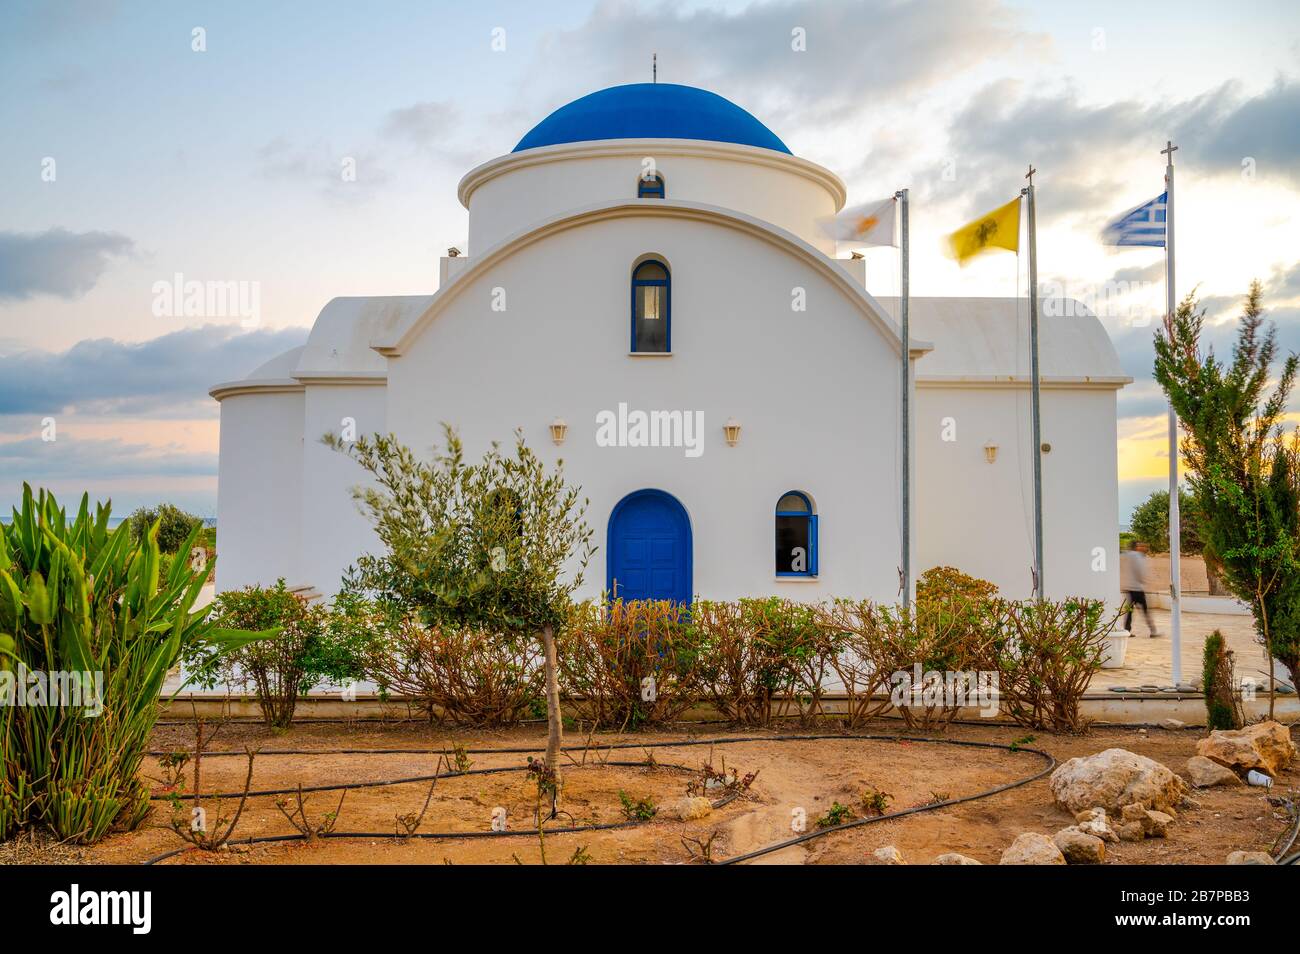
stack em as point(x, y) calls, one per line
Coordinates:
point(796, 535)
point(651, 188)
point(651, 308)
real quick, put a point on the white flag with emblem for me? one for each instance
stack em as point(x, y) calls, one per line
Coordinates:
point(870, 224)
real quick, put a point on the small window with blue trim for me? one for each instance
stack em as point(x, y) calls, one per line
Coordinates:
point(651, 308)
point(650, 187)
point(796, 535)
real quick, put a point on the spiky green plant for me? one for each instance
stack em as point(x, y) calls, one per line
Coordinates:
point(79, 598)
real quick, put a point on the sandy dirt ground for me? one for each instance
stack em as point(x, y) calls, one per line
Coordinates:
point(806, 775)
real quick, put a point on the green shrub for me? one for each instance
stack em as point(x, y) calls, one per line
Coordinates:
point(947, 587)
point(77, 598)
point(1150, 523)
point(174, 526)
point(306, 647)
point(1221, 708)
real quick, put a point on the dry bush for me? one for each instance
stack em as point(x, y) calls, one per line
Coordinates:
point(792, 632)
point(764, 658)
point(629, 664)
point(1046, 653)
point(939, 646)
point(460, 675)
point(741, 672)
point(849, 627)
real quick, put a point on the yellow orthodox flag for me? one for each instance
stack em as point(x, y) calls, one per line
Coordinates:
point(998, 229)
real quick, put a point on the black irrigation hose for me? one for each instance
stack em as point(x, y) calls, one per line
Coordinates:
point(806, 837)
point(671, 744)
point(809, 836)
point(449, 835)
point(381, 783)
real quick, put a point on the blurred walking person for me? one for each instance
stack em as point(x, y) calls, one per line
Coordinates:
point(1134, 575)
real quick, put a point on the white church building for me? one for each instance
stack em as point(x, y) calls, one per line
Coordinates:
point(648, 295)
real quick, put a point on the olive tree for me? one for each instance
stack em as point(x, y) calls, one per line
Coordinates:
point(499, 545)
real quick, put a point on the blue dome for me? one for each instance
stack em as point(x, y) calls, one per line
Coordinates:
point(651, 111)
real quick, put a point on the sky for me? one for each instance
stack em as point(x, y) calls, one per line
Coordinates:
point(302, 151)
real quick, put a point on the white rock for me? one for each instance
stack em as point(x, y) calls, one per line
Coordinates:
point(1115, 778)
point(691, 809)
point(1250, 858)
point(1031, 848)
point(1206, 773)
point(888, 855)
point(1093, 821)
point(1080, 848)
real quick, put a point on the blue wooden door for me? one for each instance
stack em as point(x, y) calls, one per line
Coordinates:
point(649, 549)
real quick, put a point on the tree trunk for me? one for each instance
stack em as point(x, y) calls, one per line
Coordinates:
point(555, 725)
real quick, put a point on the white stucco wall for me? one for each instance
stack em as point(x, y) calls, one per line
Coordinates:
point(815, 392)
point(259, 484)
point(334, 531)
point(978, 516)
point(509, 194)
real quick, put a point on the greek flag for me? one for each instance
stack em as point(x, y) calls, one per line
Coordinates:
point(1144, 225)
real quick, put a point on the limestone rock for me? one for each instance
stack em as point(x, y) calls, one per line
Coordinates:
point(1031, 848)
point(1172, 724)
point(1115, 778)
point(1080, 848)
point(692, 809)
point(1250, 858)
point(1093, 821)
point(1266, 746)
point(1153, 824)
point(1130, 831)
point(952, 858)
point(1158, 823)
point(889, 855)
point(1206, 773)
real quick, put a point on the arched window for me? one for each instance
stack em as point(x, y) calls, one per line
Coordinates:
point(651, 308)
point(650, 187)
point(796, 535)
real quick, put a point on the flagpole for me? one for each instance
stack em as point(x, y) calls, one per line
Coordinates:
point(1175, 522)
point(1035, 419)
point(905, 404)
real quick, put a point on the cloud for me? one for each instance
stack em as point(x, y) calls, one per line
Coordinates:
point(422, 123)
point(57, 262)
point(858, 52)
point(1224, 129)
point(338, 175)
point(1144, 398)
point(160, 377)
point(39, 462)
point(1140, 273)
point(1002, 127)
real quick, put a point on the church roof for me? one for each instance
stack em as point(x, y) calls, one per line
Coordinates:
point(986, 340)
point(651, 111)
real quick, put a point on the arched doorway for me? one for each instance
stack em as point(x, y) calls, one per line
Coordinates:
point(648, 554)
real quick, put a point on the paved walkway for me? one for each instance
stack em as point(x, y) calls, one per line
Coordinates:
point(1148, 661)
